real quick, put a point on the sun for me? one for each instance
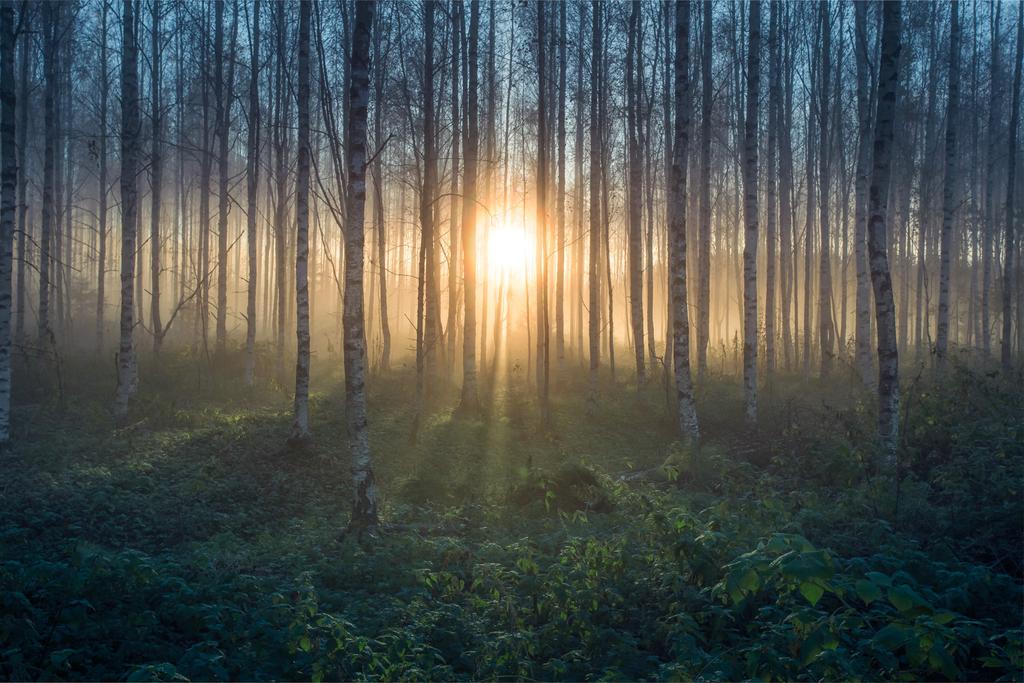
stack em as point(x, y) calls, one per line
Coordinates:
point(509, 247)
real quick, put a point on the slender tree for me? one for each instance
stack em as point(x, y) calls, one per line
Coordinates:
point(687, 412)
point(949, 184)
point(155, 177)
point(252, 192)
point(8, 182)
point(300, 426)
point(1011, 179)
point(127, 371)
point(863, 297)
point(469, 202)
point(595, 199)
point(635, 194)
point(878, 208)
point(364, 502)
point(750, 211)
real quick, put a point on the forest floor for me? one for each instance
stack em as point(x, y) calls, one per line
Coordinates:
point(191, 543)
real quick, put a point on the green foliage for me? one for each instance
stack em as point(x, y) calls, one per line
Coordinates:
point(192, 546)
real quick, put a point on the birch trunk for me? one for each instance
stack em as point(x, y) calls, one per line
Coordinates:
point(949, 185)
point(469, 201)
point(750, 215)
point(127, 372)
point(1011, 177)
point(635, 194)
point(687, 412)
point(8, 181)
point(863, 298)
point(704, 243)
point(300, 427)
point(156, 180)
point(101, 279)
point(594, 293)
point(825, 323)
point(364, 502)
point(252, 194)
point(878, 201)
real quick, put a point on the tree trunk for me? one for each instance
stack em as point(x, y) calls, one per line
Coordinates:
point(380, 229)
point(687, 412)
point(594, 295)
point(878, 200)
point(156, 180)
point(127, 372)
point(252, 193)
point(750, 215)
point(8, 180)
point(560, 247)
point(772, 194)
point(224, 86)
point(300, 427)
point(863, 302)
point(364, 502)
point(635, 194)
point(469, 201)
point(704, 243)
point(101, 279)
point(1011, 177)
point(949, 184)
point(543, 355)
point(825, 322)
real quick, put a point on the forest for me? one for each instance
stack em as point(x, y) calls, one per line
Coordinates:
point(511, 340)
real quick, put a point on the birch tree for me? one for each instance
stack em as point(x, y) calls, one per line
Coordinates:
point(300, 426)
point(8, 181)
point(252, 192)
point(687, 412)
point(750, 214)
point(1011, 179)
point(878, 208)
point(949, 184)
point(127, 371)
point(469, 203)
point(364, 502)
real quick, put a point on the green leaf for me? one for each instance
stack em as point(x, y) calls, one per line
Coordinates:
point(879, 578)
point(906, 599)
point(891, 637)
point(812, 592)
point(750, 581)
point(943, 616)
point(304, 644)
point(868, 591)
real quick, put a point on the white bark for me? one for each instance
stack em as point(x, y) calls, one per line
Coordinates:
point(127, 372)
point(687, 412)
point(878, 200)
point(300, 426)
point(750, 216)
point(364, 502)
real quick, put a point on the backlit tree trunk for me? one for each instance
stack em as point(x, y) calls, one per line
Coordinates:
point(687, 412)
point(750, 215)
point(878, 202)
point(949, 184)
point(300, 427)
point(127, 372)
point(364, 501)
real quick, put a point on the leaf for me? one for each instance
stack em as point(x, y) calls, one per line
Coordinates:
point(812, 592)
point(879, 578)
point(906, 599)
point(304, 644)
point(943, 616)
point(891, 637)
point(867, 591)
point(750, 581)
